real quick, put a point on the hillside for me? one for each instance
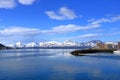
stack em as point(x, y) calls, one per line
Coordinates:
point(3, 47)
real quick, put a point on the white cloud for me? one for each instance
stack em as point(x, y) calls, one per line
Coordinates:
point(113, 19)
point(62, 29)
point(69, 14)
point(13, 34)
point(97, 35)
point(62, 14)
point(103, 20)
point(7, 4)
point(84, 36)
point(53, 15)
point(89, 35)
point(26, 2)
point(17, 31)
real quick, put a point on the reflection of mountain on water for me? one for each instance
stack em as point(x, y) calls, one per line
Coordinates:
point(22, 56)
point(20, 53)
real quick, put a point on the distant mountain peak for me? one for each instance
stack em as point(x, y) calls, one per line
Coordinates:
point(95, 41)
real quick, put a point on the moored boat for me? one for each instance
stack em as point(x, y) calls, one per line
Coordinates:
point(117, 52)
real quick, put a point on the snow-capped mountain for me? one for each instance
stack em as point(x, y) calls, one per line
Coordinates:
point(50, 44)
point(67, 43)
point(32, 45)
point(20, 45)
point(17, 45)
point(70, 43)
point(93, 43)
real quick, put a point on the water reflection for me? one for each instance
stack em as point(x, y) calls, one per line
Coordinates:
point(104, 56)
point(58, 64)
point(34, 52)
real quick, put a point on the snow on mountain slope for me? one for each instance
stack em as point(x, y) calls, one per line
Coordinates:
point(93, 43)
point(50, 44)
point(11, 45)
point(19, 45)
point(31, 45)
point(67, 43)
point(70, 43)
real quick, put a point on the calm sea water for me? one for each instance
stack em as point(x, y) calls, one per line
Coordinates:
point(57, 64)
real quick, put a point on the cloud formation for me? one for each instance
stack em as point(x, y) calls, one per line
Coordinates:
point(25, 32)
point(26, 2)
point(103, 20)
point(62, 14)
point(62, 29)
point(9, 4)
point(15, 34)
point(13, 31)
point(90, 36)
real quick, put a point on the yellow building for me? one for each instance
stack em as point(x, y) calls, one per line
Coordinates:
point(105, 46)
point(101, 46)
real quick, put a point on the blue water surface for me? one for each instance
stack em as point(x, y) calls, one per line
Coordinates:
point(57, 64)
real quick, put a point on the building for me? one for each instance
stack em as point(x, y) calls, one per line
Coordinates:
point(100, 46)
point(118, 45)
point(106, 46)
point(110, 46)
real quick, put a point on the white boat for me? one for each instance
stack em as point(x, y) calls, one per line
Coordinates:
point(117, 52)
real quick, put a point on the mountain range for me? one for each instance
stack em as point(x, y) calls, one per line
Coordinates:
point(54, 44)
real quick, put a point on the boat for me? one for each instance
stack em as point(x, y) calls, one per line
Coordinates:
point(117, 52)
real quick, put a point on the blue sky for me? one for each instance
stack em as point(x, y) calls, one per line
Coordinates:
point(59, 20)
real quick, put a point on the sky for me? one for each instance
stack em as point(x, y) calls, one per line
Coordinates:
point(59, 20)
